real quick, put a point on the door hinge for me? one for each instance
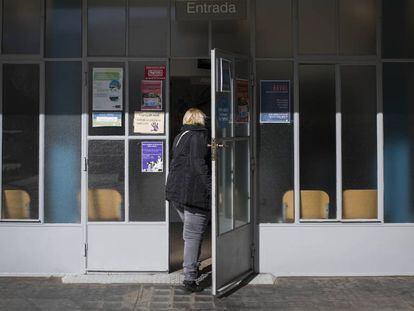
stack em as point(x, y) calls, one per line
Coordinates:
point(85, 253)
point(86, 78)
point(252, 164)
point(85, 164)
point(252, 250)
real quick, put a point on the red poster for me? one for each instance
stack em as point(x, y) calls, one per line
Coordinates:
point(151, 91)
point(242, 101)
point(155, 72)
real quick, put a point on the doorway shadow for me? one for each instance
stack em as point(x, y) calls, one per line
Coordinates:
point(205, 277)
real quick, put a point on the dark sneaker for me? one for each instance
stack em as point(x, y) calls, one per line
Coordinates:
point(192, 286)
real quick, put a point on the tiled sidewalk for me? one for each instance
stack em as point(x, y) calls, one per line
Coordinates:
point(350, 293)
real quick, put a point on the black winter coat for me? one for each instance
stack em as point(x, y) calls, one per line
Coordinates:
point(189, 179)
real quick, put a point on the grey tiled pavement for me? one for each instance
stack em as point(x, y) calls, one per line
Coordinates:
point(298, 293)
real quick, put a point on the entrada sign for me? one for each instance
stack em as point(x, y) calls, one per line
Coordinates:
point(210, 9)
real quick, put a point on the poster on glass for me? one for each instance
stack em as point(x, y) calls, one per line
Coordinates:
point(149, 122)
point(152, 156)
point(275, 101)
point(151, 91)
point(106, 119)
point(107, 89)
point(242, 101)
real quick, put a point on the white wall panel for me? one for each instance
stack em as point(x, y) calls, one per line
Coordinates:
point(40, 249)
point(128, 247)
point(336, 249)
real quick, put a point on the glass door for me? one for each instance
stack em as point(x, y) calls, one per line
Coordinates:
point(232, 229)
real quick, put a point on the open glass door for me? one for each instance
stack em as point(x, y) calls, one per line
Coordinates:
point(232, 229)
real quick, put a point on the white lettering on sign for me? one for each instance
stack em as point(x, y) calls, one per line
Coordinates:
point(204, 8)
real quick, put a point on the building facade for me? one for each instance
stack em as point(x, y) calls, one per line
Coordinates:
point(93, 92)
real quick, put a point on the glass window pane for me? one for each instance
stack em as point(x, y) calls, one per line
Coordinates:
point(148, 27)
point(398, 29)
point(188, 38)
point(106, 27)
point(398, 81)
point(21, 26)
point(232, 35)
point(20, 178)
point(242, 106)
point(275, 155)
point(225, 203)
point(317, 141)
point(146, 190)
point(273, 28)
point(359, 141)
point(136, 75)
point(63, 28)
point(357, 27)
point(63, 142)
point(241, 183)
point(106, 181)
point(317, 27)
point(106, 130)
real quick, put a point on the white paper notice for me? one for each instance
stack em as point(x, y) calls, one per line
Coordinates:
point(149, 122)
point(107, 89)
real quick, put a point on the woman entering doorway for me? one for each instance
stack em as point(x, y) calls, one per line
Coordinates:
point(189, 189)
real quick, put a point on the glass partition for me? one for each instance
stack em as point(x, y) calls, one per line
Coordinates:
point(317, 141)
point(148, 28)
point(63, 142)
point(317, 27)
point(398, 81)
point(275, 154)
point(106, 27)
point(106, 181)
point(146, 190)
point(21, 26)
point(63, 29)
point(20, 148)
point(359, 142)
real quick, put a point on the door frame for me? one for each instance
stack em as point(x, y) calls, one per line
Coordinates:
point(251, 138)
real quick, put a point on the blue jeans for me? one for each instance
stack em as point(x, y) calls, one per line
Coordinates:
point(195, 224)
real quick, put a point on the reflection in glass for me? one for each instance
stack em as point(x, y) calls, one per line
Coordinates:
point(148, 28)
point(106, 181)
point(106, 27)
point(146, 190)
point(232, 35)
point(317, 141)
point(398, 81)
point(241, 183)
point(317, 27)
point(63, 142)
point(357, 29)
point(277, 16)
point(188, 38)
point(63, 28)
point(20, 170)
point(275, 155)
point(21, 26)
point(359, 141)
point(398, 28)
point(225, 189)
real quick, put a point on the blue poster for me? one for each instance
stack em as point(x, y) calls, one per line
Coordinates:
point(152, 153)
point(275, 101)
point(223, 110)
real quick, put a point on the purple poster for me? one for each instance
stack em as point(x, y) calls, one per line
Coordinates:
point(152, 153)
